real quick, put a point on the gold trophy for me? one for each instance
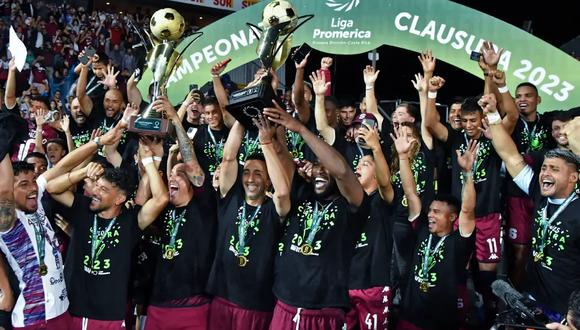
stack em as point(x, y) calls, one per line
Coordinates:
point(167, 27)
point(279, 20)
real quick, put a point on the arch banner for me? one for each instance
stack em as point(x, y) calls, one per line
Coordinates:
point(449, 29)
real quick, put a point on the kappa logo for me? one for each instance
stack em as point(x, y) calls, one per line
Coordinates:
point(342, 5)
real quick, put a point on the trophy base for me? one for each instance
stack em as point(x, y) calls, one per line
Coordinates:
point(148, 126)
point(249, 103)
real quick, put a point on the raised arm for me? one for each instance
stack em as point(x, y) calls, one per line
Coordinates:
point(229, 165)
point(382, 171)
point(7, 296)
point(65, 125)
point(59, 187)
point(467, 214)
point(501, 139)
point(84, 152)
point(320, 86)
point(160, 197)
point(370, 76)
point(274, 165)
point(507, 103)
point(7, 207)
point(133, 94)
point(39, 118)
point(300, 103)
point(192, 168)
point(10, 92)
point(404, 144)
point(336, 165)
point(85, 101)
point(220, 92)
point(431, 120)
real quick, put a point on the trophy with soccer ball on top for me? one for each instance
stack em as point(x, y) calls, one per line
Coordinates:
point(279, 20)
point(167, 27)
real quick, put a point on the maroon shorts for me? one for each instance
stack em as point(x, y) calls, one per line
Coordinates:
point(519, 219)
point(177, 318)
point(289, 317)
point(61, 322)
point(487, 238)
point(369, 308)
point(225, 315)
point(82, 323)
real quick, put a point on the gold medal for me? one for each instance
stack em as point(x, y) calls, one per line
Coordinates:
point(405, 202)
point(242, 261)
point(538, 257)
point(424, 286)
point(42, 270)
point(306, 249)
point(169, 253)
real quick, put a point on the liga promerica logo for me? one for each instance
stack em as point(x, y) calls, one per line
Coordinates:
point(342, 5)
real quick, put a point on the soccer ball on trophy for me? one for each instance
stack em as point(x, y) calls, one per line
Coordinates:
point(279, 11)
point(167, 24)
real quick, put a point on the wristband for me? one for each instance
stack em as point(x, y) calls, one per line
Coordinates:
point(432, 95)
point(215, 75)
point(467, 174)
point(97, 141)
point(493, 118)
point(503, 89)
point(157, 158)
point(369, 87)
point(147, 160)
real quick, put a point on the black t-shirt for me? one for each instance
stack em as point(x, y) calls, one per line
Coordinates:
point(189, 127)
point(186, 273)
point(95, 90)
point(436, 308)
point(82, 134)
point(486, 173)
point(209, 149)
point(100, 292)
point(296, 144)
point(106, 123)
point(350, 150)
point(553, 277)
point(318, 278)
point(245, 280)
point(250, 146)
point(371, 263)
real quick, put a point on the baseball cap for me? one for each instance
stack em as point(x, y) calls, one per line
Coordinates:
point(365, 115)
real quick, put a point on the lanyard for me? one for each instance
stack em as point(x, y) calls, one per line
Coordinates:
point(96, 240)
point(475, 164)
point(428, 254)
point(91, 89)
point(218, 147)
point(316, 218)
point(531, 135)
point(243, 227)
point(175, 223)
point(545, 224)
point(39, 235)
point(250, 145)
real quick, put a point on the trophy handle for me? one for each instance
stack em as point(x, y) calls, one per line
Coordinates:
point(280, 44)
point(254, 28)
point(197, 36)
point(138, 32)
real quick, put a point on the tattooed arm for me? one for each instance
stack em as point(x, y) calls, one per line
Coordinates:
point(7, 208)
point(193, 170)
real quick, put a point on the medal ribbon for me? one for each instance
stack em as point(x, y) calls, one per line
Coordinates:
point(316, 218)
point(218, 147)
point(243, 228)
point(527, 130)
point(545, 224)
point(39, 235)
point(428, 254)
point(96, 240)
point(175, 227)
